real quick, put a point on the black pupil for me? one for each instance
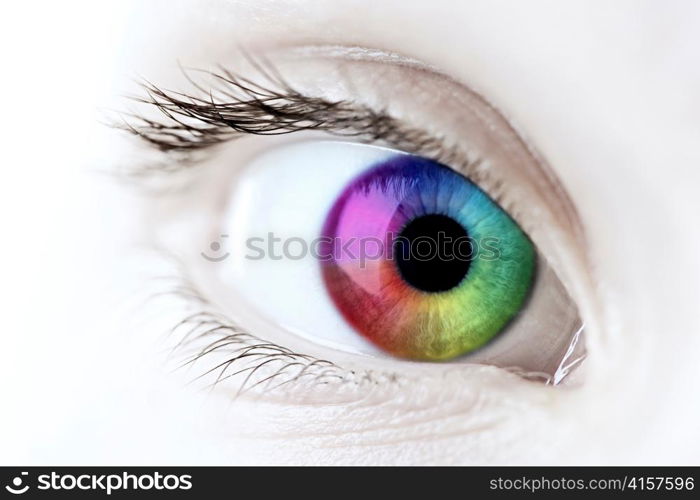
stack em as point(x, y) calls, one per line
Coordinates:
point(433, 253)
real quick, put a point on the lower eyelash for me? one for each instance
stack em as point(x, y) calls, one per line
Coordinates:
point(247, 355)
point(248, 364)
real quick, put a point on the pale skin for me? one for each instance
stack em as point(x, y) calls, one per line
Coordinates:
point(605, 92)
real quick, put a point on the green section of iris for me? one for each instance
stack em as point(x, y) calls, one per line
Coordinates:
point(468, 316)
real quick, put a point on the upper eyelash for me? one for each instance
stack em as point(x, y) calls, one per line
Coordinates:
point(236, 106)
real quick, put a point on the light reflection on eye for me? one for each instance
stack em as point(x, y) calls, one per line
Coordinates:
point(410, 267)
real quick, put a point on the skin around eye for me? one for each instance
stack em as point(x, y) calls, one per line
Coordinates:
point(426, 290)
point(605, 93)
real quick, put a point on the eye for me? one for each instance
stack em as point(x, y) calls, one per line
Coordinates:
point(329, 246)
point(379, 252)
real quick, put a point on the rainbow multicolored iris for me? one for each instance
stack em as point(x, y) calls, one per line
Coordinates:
point(422, 262)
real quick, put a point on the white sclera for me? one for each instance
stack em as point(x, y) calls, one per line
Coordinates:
point(287, 192)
